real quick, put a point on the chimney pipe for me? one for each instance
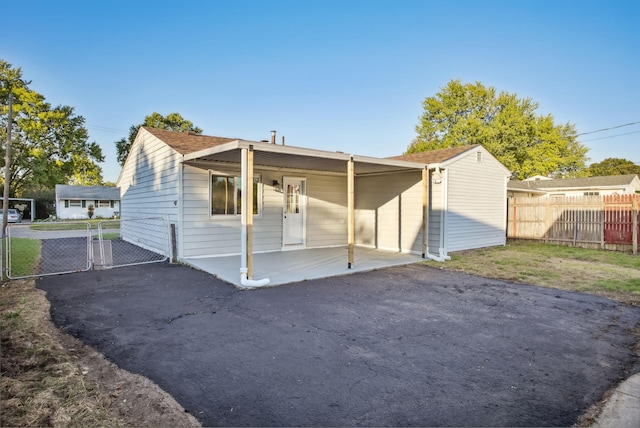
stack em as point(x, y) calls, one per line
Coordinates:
point(273, 137)
point(283, 140)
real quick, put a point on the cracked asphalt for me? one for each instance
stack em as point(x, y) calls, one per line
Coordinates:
point(403, 346)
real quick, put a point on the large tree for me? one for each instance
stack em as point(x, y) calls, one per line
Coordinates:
point(507, 126)
point(49, 145)
point(170, 122)
point(613, 166)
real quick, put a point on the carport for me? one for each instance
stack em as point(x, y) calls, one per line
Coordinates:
point(300, 262)
point(283, 267)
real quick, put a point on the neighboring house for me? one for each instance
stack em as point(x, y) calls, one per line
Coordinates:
point(73, 202)
point(306, 198)
point(589, 186)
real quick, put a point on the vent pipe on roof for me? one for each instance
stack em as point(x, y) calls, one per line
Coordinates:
point(273, 137)
point(283, 140)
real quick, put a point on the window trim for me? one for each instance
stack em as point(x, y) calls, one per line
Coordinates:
point(236, 178)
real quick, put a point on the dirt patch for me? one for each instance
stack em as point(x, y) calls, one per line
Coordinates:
point(51, 379)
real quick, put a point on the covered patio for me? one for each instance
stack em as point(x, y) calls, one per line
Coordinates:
point(282, 267)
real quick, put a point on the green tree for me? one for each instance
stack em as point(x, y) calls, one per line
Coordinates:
point(507, 126)
point(49, 144)
point(171, 122)
point(613, 166)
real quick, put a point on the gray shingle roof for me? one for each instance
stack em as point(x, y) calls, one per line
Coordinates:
point(567, 183)
point(65, 191)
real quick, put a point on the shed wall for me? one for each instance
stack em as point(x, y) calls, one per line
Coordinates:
point(476, 203)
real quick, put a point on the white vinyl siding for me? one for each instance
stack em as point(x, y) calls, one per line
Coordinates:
point(149, 184)
point(326, 210)
point(206, 235)
point(389, 211)
point(476, 203)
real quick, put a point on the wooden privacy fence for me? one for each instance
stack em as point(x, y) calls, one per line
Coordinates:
point(607, 222)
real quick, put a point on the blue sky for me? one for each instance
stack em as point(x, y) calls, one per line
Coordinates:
point(334, 75)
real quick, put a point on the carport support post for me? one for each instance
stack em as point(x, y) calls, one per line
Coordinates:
point(351, 218)
point(246, 194)
point(425, 198)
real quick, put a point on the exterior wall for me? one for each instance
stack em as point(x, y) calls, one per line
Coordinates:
point(149, 188)
point(389, 211)
point(436, 215)
point(81, 213)
point(476, 203)
point(206, 235)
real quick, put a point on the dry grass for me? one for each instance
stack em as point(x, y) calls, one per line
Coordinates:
point(42, 385)
point(605, 273)
point(50, 379)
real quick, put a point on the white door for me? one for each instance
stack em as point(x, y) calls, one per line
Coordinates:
point(293, 223)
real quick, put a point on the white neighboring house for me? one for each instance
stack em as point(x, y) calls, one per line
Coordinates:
point(628, 184)
point(73, 202)
point(302, 198)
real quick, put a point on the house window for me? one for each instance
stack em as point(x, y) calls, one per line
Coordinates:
point(591, 193)
point(103, 204)
point(73, 204)
point(226, 195)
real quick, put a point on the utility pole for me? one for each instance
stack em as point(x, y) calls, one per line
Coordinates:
point(7, 170)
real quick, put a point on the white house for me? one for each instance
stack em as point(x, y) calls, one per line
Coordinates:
point(306, 198)
point(587, 186)
point(74, 202)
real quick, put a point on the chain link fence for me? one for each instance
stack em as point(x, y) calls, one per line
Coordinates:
point(47, 249)
point(51, 248)
point(131, 242)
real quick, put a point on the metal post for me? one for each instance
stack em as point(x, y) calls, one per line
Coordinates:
point(7, 168)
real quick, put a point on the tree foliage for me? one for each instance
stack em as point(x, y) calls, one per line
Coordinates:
point(613, 166)
point(507, 126)
point(171, 122)
point(49, 144)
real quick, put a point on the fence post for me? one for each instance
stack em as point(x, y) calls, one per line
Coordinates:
point(634, 215)
point(603, 215)
point(547, 221)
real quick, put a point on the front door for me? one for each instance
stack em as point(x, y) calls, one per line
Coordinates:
point(294, 208)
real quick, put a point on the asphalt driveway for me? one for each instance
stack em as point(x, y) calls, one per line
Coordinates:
point(403, 346)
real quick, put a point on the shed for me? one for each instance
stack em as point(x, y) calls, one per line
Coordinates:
point(303, 199)
point(73, 202)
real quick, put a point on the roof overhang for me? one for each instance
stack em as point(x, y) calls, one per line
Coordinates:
point(278, 156)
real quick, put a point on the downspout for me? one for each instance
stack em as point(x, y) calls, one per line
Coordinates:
point(440, 181)
point(246, 231)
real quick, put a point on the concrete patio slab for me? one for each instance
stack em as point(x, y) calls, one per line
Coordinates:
point(283, 267)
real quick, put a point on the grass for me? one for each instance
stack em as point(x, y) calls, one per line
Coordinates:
point(74, 224)
point(611, 274)
point(24, 256)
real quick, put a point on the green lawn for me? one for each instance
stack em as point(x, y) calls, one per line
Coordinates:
point(24, 256)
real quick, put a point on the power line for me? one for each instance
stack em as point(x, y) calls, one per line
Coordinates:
point(610, 136)
point(607, 129)
point(106, 129)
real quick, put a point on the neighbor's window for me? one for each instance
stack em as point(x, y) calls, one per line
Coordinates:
point(73, 204)
point(103, 204)
point(591, 193)
point(226, 196)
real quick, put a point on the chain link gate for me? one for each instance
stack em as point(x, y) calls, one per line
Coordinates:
point(53, 248)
